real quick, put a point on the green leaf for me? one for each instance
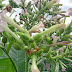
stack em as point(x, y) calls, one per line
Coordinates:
point(6, 65)
point(1, 52)
point(19, 57)
point(9, 46)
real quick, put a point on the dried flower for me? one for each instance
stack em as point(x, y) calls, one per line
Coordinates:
point(70, 11)
point(9, 8)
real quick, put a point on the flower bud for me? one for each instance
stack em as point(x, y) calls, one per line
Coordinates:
point(70, 11)
point(34, 28)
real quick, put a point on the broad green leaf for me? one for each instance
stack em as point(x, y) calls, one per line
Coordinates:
point(19, 57)
point(2, 53)
point(6, 65)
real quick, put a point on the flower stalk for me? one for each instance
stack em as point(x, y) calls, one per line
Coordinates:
point(5, 28)
point(34, 67)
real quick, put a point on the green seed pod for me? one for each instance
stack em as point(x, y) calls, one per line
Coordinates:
point(38, 40)
point(26, 48)
point(25, 41)
point(31, 40)
point(37, 36)
point(33, 45)
point(24, 35)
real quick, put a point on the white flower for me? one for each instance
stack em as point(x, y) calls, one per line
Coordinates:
point(2, 22)
point(70, 11)
point(17, 1)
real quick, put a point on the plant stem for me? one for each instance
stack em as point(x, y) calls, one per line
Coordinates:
point(5, 28)
point(26, 64)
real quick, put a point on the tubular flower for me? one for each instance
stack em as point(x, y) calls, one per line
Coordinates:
point(34, 67)
point(17, 1)
point(70, 11)
point(34, 28)
point(1, 21)
point(63, 68)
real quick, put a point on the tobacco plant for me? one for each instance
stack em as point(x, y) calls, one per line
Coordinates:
point(39, 41)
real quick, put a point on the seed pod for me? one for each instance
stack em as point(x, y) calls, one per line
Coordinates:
point(26, 48)
point(24, 35)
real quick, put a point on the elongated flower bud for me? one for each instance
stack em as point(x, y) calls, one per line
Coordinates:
point(34, 28)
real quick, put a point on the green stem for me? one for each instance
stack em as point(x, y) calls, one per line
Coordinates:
point(5, 28)
point(26, 64)
point(67, 59)
point(58, 56)
point(62, 64)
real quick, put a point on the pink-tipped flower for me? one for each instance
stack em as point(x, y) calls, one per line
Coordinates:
point(2, 23)
point(70, 11)
point(41, 25)
point(34, 28)
point(63, 68)
point(17, 1)
point(57, 0)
